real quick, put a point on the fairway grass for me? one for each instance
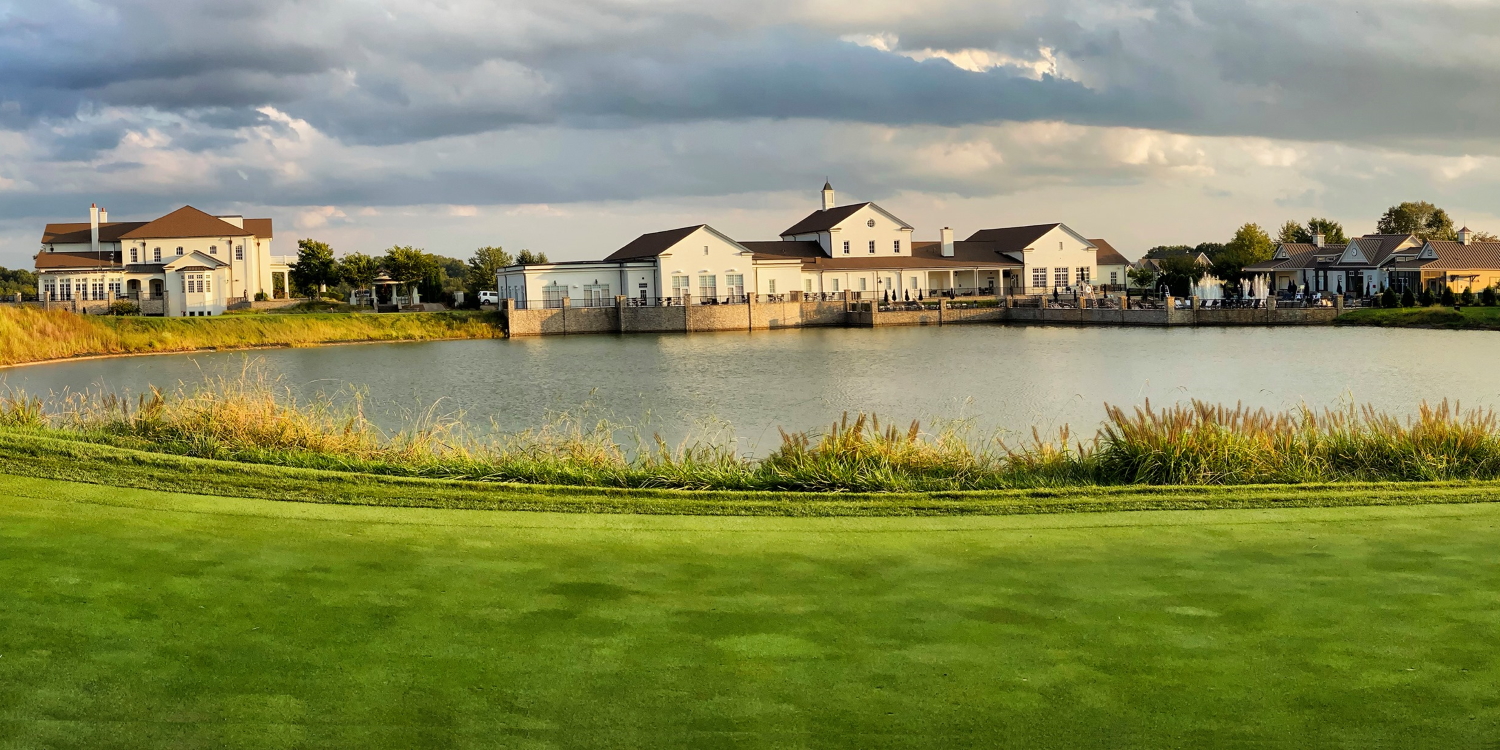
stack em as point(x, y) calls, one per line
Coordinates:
point(147, 619)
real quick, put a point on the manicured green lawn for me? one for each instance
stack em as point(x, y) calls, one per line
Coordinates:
point(1474, 316)
point(133, 618)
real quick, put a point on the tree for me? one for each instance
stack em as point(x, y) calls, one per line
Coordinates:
point(1210, 249)
point(1293, 233)
point(483, 267)
point(1488, 296)
point(528, 258)
point(1332, 231)
point(1388, 298)
point(1426, 221)
point(1408, 299)
point(359, 270)
point(1484, 237)
point(1180, 273)
point(407, 265)
point(19, 281)
point(1143, 276)
point(1250, 245)
point(1162, 251)
point(315, 268)
point(1447, 297)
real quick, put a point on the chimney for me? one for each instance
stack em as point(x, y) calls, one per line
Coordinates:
point(1318, 238)
point(94, 226)
point(103, 215)
point(947, 238)
point(827, 195)
point(1465, 236)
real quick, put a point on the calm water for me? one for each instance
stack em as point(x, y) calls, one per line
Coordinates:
point(1000, 377)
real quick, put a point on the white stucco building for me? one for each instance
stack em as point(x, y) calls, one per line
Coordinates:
point(186, 263)
point(860, 248)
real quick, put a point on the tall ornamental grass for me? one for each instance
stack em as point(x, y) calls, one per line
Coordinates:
point(254, 418)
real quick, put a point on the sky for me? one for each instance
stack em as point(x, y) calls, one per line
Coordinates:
point(571, 126)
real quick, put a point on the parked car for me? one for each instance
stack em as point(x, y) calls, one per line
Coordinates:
point(489, 298)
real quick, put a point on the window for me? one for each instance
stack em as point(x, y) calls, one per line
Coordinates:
point(179, 251)
point(213, 249)
point(1114, 278)
point(132, 255)
point(846, 247)
point(913, 282)
point(1059, 246)
point(65, 289)
point(1084, 273)
point(807, 286)
point(897, 247)
point(553, 295)
point(835, 285)
point(1059, 277)
point(872, 247)
point(870, 223)
point(156, 255)
point(1038, 277)
point(734, 284)
point(114, 287)
point(239, 252)
point(705, 249)
point(771, 286)
point(596, 295)
point(862, 282)
point(708, 287)
point(96, 290)
point(681, 287)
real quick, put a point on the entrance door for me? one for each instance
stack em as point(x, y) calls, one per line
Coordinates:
point(156, 288)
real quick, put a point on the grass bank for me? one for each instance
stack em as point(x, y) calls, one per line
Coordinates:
point(31, 334)
point(252, 419)
point(145, 619)
point(1473, 317)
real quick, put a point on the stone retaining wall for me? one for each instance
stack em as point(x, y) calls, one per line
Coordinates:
point(797, 314)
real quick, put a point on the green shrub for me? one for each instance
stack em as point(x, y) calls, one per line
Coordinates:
point(261, 297)
point(1487, 297)
point(1448, 300)
point(1408, 299)
point(1426, 299)
point(1388, 298)
point(1466, 298)
point(124, 307)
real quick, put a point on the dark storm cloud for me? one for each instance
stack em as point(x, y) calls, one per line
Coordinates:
point(399, 72)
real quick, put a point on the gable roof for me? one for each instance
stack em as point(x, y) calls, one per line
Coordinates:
point(1012, 239)
point(1107, 255)
point(78, 232)
point(784, 248)
point(185, 222)
point(823, 221)
point(1456, 256)
point(652, 244)
point(193, 259)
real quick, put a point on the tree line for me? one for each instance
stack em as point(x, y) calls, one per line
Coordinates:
point(1180, 266)
point(435, 277)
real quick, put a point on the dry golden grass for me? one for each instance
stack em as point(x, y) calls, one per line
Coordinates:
point(31, 334)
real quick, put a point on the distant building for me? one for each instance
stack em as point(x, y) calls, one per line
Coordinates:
point(860, 248)
point(187, 263)
point(1114, 268)
point(1368, 265)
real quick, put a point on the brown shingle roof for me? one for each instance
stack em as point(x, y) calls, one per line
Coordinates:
point(822, 221)
point(1012, 239)
point(1107, 255)
point(1456, 256)
point(78, 232)
point(76, 261)
point(923, 255)
point(653, 244)
point(259, 227)
point(185, 222)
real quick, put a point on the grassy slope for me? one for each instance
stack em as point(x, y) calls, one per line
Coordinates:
point(26, 454)
point(1487, 318)
point(29, 334)
point(144, 619)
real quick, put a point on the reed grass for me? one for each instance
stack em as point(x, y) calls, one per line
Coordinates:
point(33, 334)
point(252, 417)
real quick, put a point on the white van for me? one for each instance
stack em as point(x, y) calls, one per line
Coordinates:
point(489, 298)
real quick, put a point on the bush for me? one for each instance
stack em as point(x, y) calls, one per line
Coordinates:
point(261, 297)
point(1408, 299)
point(1388, 298)
point(1426, 299)
point(124, 307)
point(1466, 298)
point(1448, 299)
point(1487, 297)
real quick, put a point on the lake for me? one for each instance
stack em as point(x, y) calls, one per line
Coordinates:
point(748, 384)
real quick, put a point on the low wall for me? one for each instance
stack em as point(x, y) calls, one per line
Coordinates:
point(275, 304)
point(769, 315)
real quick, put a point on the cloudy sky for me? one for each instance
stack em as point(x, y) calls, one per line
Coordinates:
point(570, 126)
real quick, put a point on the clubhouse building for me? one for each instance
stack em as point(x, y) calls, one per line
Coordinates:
point(860, 249)
point(186, 263)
